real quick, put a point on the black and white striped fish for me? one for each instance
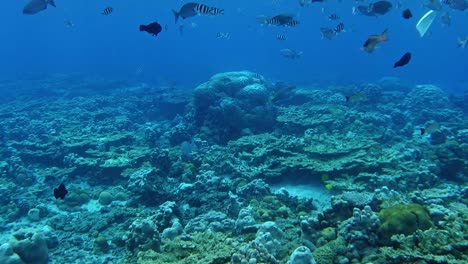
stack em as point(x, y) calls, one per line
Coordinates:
point(333, 17)
point(278, 20)
point(330, 33)
point(339, 28)
point(194, 9)
point(281, 37)
point(107, 11)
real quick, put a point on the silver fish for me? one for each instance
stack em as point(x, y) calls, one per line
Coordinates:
point(291, 54)
point(35, 6)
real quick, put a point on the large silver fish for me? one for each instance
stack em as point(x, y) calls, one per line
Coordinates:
point(35, 6)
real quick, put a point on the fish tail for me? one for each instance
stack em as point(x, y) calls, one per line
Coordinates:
point(142, 27)
point(383, 36)
point(52, 3)
point(176, 15)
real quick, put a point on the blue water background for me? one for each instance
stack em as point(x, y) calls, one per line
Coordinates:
point(112, 47)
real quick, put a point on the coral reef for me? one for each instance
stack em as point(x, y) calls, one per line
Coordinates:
point(237, 170)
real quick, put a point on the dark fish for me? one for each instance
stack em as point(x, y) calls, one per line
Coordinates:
point(333, 17)
point(35, 6)
point(60, 192)
point(193, 9)
point(330, 33)
point(407, 14)
point(278, 20)
point(107, 11)
point(373, 40)
point(339, 28)
point(403, 60)
point(153, 28)
point(381, 7)
point(456, 4)
point(374, 9)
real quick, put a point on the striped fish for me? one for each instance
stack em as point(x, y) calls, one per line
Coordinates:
point(281, 37)
point(279, 20)
point(107, 11)
point(194, 9)
point(333, 17)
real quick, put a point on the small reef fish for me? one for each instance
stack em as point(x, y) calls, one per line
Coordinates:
point(333, 17)
point(278, 20)
point(60, 192)
point(374, 9)
point(456, 4)
point(407, 14)
point(356, 98)
point(153, 28)
point(291, 54)
point(446, 19)
point(403, 60)
point(304, 3)
point(35, 6)
point(330, 33)
point(223, 35)
point(461, 43)
point(194, 9)
point(107, 11)
point(281, 37)
point(373, 40)
point(433, 5)
point(69, 24)
point(430, 128)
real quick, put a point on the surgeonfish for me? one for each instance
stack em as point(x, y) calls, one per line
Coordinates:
point(36, 6)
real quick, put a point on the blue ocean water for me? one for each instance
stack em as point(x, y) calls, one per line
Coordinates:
point(117, 146)
point(112, 45)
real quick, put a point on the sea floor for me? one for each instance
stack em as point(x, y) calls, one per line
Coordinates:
point(235, 170)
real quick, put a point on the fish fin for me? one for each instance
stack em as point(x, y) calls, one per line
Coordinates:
point(176, 15)
point(52, 3)
point(383, 36)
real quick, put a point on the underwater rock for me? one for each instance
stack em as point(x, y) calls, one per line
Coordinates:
point(213, 220)
point(245, 222)
point(8, 256)
point(403, 219)
point(31, 246)
point(143, 235)
point(254, 188)
point(231, 102)
point(361, 230)
point(302, 255)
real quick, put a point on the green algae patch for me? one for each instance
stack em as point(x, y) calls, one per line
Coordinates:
point(403, 219)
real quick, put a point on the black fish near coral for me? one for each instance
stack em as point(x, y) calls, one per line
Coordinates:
point(60, 192)
point(154, 28)
point(405, 59)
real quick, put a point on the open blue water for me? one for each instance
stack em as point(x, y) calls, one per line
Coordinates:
point(41, 44)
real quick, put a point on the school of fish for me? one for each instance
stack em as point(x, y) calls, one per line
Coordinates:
point(364, 8)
